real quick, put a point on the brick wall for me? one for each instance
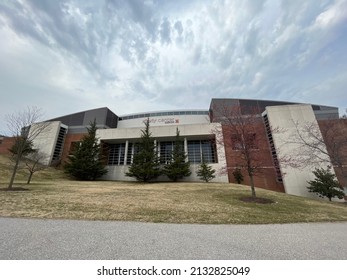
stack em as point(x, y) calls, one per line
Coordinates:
point(69, 139)
point(334, 133)
point(265, 176)
point(6, 144)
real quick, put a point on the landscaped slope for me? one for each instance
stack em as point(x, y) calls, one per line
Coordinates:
point(163, 202)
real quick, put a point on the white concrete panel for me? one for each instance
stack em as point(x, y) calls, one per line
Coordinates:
point(173, 120)
point(45, 141)
point(117, 173)
point(284, 119)
point(158, 131)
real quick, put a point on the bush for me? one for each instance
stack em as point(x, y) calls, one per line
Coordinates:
point(325, 184)
point(206, 172)
point(238, 175)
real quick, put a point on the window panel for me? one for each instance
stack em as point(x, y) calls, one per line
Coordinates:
point(165, 151)
point(201, 149)
point(116, 154)
point(132, 150)
point(194, 151)
point(130, 153)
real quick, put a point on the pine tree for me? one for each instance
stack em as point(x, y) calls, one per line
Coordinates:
point(86, 162)
point(205, 172)
point(23, 146)
point(325, 184)
point(238, 175)
point(145, 166)
point(178, 167)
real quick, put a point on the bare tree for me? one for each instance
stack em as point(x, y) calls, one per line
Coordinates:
point(34, 163)
point(324, 143)
point(240, 130)
point(25, 128)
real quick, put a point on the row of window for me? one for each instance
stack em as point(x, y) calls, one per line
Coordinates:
point(198, 150)
point(158, 114)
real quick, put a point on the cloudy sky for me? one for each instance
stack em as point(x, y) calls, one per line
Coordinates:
point(137, 56)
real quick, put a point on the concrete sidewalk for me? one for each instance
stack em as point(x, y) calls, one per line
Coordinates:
point(70, 239)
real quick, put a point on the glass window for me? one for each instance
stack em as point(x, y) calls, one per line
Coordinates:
point(116, 154)
point(165, 151)
point(132, 150)
point(194, 151)
point(130, 153)
point(201, 149)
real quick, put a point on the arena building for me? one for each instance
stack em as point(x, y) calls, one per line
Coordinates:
point(205, 135)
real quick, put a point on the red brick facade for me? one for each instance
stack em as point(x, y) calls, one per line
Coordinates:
point(69, 139)
point(334, 133)
point(6, 144)
point(265, 177)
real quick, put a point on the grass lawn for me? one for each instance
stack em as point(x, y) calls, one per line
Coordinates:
point(51, 195)
point(211, 203)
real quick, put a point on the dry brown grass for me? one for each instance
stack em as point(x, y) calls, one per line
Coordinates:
point(162, 202)
point(52, 195)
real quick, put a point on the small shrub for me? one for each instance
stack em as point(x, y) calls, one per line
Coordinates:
point(238, 175)
point(325, 184)
point(206, 172)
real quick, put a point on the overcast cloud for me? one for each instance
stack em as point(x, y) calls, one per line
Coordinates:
point(137, 56)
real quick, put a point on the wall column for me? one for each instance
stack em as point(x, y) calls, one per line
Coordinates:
point(186, 147)
point(126, 151)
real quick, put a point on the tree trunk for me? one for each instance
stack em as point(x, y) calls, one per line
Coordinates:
point(14, 172)
point(30, 176)
point(252, 185)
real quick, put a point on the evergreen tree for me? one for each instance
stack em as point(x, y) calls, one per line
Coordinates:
point(22, 146)
point(238, 175)
point(205, 172)
point(178, 167)
point(325, 184)
point(86, 162)
point(145, 166)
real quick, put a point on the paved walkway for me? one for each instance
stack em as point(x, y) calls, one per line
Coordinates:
point(69, 239)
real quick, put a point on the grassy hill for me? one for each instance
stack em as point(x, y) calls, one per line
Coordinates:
point(52, 195)
point(22, 174)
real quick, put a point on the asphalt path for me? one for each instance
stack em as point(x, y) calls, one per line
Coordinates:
point(106, 240)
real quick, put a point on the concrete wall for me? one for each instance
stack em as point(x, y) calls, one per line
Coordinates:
point(165, 121)
point(46, 140)
point(198, 131)
point(283, 119)
point(117, 173)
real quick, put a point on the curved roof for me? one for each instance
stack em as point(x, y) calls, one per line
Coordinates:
point(164, 113)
